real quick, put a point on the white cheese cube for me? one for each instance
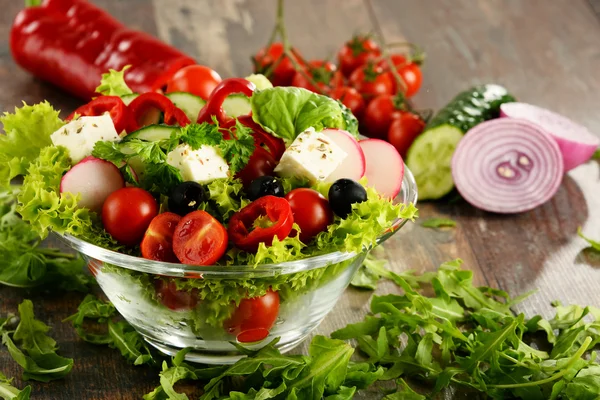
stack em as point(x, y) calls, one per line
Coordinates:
point(203, 165)
point(312, 155)
point(80, 136)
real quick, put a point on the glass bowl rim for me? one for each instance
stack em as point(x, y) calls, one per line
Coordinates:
point(139, 264)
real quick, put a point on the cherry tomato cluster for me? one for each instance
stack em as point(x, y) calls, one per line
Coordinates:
point(364, 81)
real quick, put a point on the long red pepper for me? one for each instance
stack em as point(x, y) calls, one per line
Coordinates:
point(71, 43)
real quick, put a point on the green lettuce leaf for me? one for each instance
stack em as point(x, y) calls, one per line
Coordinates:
point(9, 392)
point(27, 131)
point(288, 111)
point(113, 83)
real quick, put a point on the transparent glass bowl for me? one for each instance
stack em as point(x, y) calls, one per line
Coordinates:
point(308, 290)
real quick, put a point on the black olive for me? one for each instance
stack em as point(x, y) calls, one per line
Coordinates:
point(186, 197)
point(264, 186)
point(343, 193)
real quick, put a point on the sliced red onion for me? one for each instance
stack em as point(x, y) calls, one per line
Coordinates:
point(507, 165)
point(577, 144)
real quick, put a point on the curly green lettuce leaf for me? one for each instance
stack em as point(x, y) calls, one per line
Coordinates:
point(113, 83)
point(27, 131)
point(225, 198)
point(350, 121)
point(286, 112)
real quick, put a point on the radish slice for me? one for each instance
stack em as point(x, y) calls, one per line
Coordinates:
point(507, 165)
point(353, 166)
point(385, 168)
point(94, 179)
point(577, 144)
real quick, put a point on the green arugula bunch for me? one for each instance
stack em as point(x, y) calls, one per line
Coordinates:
point(9, 392)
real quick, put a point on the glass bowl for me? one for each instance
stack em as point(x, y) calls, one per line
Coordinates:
point(174, 306)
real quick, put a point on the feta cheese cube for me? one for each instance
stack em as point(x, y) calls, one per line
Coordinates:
point(203, 165)
point(80, 136)
point(312, 155)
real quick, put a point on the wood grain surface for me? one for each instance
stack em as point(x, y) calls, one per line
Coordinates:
point(545, 52)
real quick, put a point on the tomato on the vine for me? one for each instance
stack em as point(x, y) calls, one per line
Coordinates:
point(356, 52)
point(311, 212)
point(370, 81)
point(397, 59)
point(253, 318)
point(194, 79)
point(409, 71)
point(404, 130)
point(350, 98)
point(324, 73)
point(379, 115)
point(283, 70)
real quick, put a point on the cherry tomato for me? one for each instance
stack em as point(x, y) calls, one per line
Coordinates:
point(253, 318)
point(199, 239)
point(284, 71)
point(158, 239)
point(324, 73)
point(311, 212)
point(356, 53)
point(350, 98)
point(194, 79)
point(174, 299)
point(261, 163)
point(397, 59)
point(379, 115)
point(126, 214)
point(371, 81)
point(412, 77)
point(404, 130)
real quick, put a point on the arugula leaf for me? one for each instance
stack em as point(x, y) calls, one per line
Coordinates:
point(595, 245)
point(368, 274)
point(404, 392)
point(239, 148)
point(93, 308)
point(438, 223)
point(9, 392)
point(113, 83)
point(27, 131)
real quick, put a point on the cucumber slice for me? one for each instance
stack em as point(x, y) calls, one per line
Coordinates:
point(261, 81)
point(188, 103)
point(429, 158)
point(152, 133)
point(236, 105)
point(128, 98)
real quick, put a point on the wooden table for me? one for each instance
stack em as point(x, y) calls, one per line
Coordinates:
point(545, 52)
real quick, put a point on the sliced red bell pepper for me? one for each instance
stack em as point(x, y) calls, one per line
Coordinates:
point(214, 105)
point(71, 43)
point(145, 103)
point(260, 221)
point(275, 145)
point(119, 113)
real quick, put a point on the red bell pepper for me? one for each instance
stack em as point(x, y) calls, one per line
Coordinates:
point(275, 145)
point(71, 43)
point(121, 115)
point(260, 221)
point(146, 103)
point(214, 105)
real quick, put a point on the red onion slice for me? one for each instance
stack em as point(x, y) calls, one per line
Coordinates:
point(507, 165)
point(577, 144)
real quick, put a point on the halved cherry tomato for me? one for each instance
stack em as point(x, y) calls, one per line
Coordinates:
point(370, 81)
point(311, 212)
point(379, 115)
point(194, 79)
point(324, 73)
point(261, 163)
point(260, 221)
point(350, 98)
point(283, 71)
point(404, 130)
point(127, 213)
point(199, 239)
point(158, 239)
point(356, 53)
point(174, 299)
point(253, 318)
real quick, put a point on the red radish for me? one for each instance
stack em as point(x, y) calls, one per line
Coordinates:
point(507, 165)
point(385, 168)
point(94, 179)
point(353, 166)
point(577, 144)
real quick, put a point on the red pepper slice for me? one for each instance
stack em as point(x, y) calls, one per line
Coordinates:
point(214, 105)
point(119, 113)
point(145, 103)
point(275, 145)
point(260, 221)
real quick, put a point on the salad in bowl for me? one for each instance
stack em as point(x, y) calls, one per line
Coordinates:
point(207, 223)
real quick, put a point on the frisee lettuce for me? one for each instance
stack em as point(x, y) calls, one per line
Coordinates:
point(113, 83)
point(27, 131)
